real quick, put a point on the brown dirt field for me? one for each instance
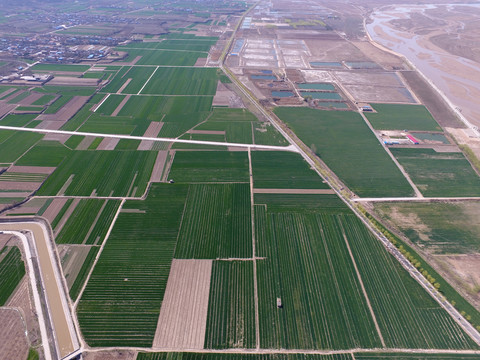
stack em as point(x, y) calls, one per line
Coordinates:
point(293, 191)
point(85, 143)
point(384, 59)
point(108, 144)
point(32, 169)
point(17, 185)
point(381, 94)
point(466, 267)
point(53, 209)
point(5, 108)
point(333, 50)
point(201, 62)
point(183, 315)
point(124, 85)
point(207, 132)
point(121, 105)
point(34, 96)
point(67, 111)
point(158, 167)
point(434, 103)
point(13, 96)
point(56, 137)
point(21, 299)
point(72, 260)
point(6, 92)
point(13, 194)
point(152, 131)
point(73, 81)
point(50, 125)
point(110, 355)
point(12, 335)
point(24, 210)
point(66, 216)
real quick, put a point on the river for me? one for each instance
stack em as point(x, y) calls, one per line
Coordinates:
point(456, 77)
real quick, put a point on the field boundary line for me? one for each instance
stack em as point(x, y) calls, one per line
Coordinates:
point(98, 255)
point(101, 103)
point(95, 222)
point(254, 256)
point(290, 148)
point(394, 159)
point(374, 318)
point(146, 82)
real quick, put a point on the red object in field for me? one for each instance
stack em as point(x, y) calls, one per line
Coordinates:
point(412, 139)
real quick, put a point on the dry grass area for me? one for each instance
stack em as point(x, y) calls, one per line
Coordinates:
point(14, 344)
point(183, 315)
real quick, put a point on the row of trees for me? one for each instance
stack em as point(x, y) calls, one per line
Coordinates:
point(413, 260)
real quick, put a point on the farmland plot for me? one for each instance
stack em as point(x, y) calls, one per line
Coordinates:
point(12, 270)
point(240, 356)
point(439, 174)
point(308, 266)
point(89, 222)
point(216, 222)
point(209, 166)
point(231, 312)
point(400, 116)
point(282, 170)
point(182, 81)
point(414, 356)
point(349, 148)
point(121, 303)
point(404, 321)
point(109, 173)
point(138, 76)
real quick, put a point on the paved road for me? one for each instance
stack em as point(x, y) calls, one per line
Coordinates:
point(130, 137)
point(469, 329)
point(413, 199)
point(64, 332)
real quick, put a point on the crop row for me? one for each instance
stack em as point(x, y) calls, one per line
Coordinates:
point(216, 222)
point(349, 148)
point(181, 81)
point(109, 173)
point(231, 312)
point(121, 302)
point(74, 290)
point(243, 356)
point(91, 217)
point(12, 270)
point(210, 166)
point(404, 319)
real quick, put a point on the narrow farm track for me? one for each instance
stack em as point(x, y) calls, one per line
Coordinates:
point(255, 282)
point(321, 168)
point(363, 289)
point(169, 140)
point(400, 167)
